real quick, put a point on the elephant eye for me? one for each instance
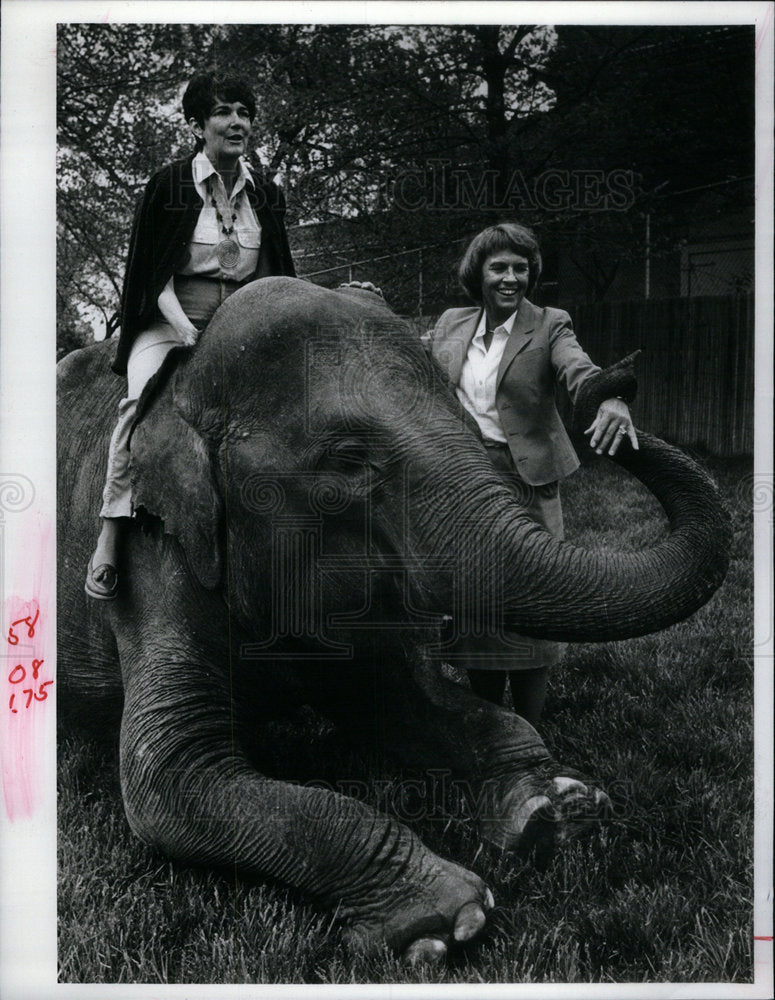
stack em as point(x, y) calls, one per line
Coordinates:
point(349, 456)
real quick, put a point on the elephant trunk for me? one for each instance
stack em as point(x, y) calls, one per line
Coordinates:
point(516, 575)
point(598, 596)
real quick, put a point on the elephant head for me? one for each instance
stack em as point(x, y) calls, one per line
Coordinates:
point(309, 446)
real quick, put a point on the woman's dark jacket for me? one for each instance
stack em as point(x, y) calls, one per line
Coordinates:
point(163, 225)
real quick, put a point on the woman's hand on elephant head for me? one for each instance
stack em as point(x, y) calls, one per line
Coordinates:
point(189, 335)
point(611, 426)
point(367, 286)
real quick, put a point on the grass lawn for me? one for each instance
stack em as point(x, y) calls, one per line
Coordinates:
point(663, 893)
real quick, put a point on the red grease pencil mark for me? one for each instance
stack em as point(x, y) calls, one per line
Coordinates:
point(19, 673)
point(27, 679)
point(762, 938)
point(29, 621)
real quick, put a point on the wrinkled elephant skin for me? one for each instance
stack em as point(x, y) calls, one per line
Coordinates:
point(311, 502)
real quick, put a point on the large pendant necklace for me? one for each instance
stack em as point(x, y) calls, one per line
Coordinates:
point(228, 254)
point(228, 250)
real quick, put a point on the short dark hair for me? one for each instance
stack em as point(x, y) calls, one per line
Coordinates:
point(504, 236)
point(206, 86)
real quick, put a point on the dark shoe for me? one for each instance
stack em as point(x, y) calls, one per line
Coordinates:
point(102, 582)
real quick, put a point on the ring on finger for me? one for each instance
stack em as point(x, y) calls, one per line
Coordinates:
point(621, 430)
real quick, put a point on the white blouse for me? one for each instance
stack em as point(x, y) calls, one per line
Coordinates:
point(203, 260)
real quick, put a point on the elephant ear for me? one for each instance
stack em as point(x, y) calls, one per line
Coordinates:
point(172, 470)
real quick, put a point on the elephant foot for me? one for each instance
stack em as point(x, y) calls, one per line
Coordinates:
point(422, 917)
point(545, 813)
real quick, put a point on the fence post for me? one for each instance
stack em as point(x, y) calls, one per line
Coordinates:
point(419, 284)
point(648, 256)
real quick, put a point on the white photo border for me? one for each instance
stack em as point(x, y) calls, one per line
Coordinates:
point(28, 958)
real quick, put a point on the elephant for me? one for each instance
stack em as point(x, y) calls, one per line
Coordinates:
point(314, 513)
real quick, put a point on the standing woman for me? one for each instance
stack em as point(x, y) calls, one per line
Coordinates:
point(505, 357)
point(206, 225)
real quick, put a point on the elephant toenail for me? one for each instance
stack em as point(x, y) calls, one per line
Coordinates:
point(535, 805)
point(470, 920)
point(425, 950)
point(564, 785)
point(603, 805)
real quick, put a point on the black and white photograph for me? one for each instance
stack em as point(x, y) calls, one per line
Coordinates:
point(386, 498)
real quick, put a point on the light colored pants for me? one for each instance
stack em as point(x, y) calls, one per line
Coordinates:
point(509, 651)
point(199, 299)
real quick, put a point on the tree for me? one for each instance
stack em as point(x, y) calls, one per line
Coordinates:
point(115, 126)
point(395, 137)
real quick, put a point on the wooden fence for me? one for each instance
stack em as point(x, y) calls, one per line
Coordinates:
point(696, 372)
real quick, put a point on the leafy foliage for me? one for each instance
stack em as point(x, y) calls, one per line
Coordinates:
point(414, 135)
point(116, 85)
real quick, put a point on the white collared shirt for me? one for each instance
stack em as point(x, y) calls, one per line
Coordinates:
point(479, 374)
point(207, 234)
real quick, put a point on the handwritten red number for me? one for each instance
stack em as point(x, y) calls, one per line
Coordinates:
point(19, 674)
point(13, 638)
point(42, 693)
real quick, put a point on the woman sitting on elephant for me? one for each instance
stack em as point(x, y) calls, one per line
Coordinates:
point(505, 357)
point(206, 225)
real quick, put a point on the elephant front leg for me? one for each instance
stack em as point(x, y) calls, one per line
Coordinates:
point(520, 796)
point(189, 791)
